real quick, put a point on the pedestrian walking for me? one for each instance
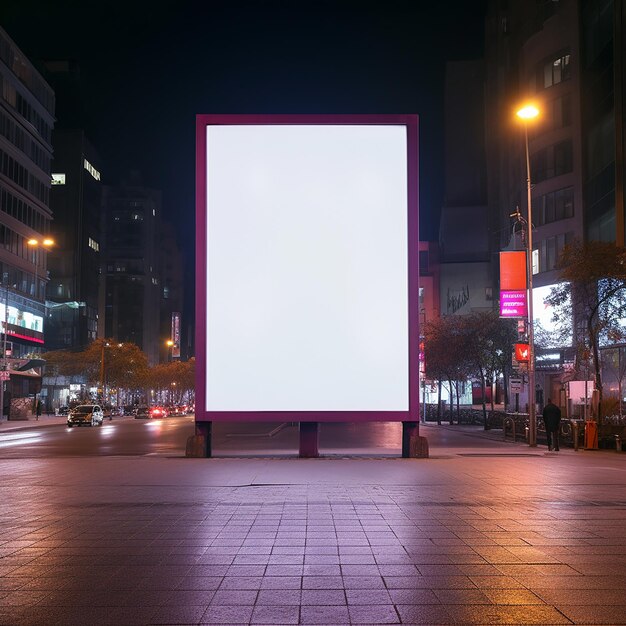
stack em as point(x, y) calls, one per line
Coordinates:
point(552, 420)
point(38, 409)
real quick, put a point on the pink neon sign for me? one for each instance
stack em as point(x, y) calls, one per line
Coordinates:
point(513, 304)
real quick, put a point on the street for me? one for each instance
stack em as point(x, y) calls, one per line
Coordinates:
point(127, 436)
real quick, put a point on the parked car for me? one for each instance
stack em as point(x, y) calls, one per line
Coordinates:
point(90, 414)
point(141, 412)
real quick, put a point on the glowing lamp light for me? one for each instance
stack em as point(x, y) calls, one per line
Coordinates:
point(528, 112)
point(36, 242)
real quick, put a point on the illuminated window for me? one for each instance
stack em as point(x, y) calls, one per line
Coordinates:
point(94, 244)
point(91, 169)
point(58, 179)
point(554, 71)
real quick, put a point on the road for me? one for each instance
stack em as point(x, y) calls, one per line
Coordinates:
point(168, 437)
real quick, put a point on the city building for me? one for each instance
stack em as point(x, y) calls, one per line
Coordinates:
point(27, 106)
point(465, 254)
point(75, 261)
point(567, 57)
point(132, 291)
point(171, 309)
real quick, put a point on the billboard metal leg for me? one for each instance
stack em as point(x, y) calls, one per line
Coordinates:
point(413, 446)
point(200, 445)
point(309, 440)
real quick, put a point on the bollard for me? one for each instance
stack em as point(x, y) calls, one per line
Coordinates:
point(618, 443)
point(575, 431)
point(508, 421)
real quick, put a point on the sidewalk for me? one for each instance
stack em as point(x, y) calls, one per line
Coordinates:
point(32, 421)
point(501, 534)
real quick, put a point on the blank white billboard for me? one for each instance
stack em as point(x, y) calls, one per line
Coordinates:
point(306, 281)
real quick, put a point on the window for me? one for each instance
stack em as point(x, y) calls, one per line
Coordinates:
point(554, 71)
point(94, 245)
point(559, 112)
point(553, 206)
point(550, 250)
point(552, 161)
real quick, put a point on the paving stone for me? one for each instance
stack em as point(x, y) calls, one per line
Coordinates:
point(446, 541)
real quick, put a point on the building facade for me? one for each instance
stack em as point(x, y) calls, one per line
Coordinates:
point(566, 57)
point(75, 260)
point(171, 308)
point(132, 291)
point(26, 124)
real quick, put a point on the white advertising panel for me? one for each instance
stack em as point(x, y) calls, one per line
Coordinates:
point(306, 268)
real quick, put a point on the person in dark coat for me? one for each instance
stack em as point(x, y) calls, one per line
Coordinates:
point(552, 420)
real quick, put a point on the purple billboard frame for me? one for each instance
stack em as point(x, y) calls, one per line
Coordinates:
point(410, 122)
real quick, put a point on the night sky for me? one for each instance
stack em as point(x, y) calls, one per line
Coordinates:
point(148, 68)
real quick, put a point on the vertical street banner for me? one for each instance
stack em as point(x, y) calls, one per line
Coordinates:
point(513, 284)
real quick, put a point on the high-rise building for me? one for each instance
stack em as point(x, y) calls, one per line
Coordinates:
point(75, 261)
point(26, 124)
point(132, 288)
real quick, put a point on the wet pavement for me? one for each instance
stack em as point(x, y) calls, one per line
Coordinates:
point(483, 532)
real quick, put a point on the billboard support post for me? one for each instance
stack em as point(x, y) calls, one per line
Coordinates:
point(309, 440)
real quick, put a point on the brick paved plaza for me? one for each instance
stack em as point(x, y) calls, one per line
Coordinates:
point(503, 534)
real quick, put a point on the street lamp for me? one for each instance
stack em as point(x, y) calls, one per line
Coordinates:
point(34, 244)
point(526, 113)
point(170, 344)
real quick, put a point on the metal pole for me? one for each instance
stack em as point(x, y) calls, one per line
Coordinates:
point(532, 417)
point(36, 272)
point(102, 370)
point(4, 348)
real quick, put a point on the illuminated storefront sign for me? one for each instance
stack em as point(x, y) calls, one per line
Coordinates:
point(22, 324)
point(58, 179)
point(522, 352)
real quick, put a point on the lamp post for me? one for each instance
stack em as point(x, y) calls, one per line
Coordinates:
point(526, 113)
point(4, 367)
point(170, 344)
point(34, 244)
